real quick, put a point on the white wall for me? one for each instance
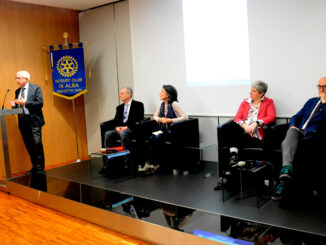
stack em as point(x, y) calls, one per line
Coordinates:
point(107, 30)
point(157, 48)
point(287, 47)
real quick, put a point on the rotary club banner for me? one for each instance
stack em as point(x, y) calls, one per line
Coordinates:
point(68, 71)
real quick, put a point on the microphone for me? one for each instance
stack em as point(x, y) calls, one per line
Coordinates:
point(3, 103)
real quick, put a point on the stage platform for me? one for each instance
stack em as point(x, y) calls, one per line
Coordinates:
point(183, 202)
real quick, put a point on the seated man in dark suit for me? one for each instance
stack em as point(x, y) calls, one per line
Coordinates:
point(127, 114)
point(306, 123)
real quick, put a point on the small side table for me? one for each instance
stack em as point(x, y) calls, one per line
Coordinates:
point(200, 154)
point(261, 175)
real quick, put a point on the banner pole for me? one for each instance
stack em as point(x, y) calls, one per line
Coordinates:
point(75, 119)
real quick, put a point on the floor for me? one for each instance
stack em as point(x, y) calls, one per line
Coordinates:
point(23, 222)
point(191, 193)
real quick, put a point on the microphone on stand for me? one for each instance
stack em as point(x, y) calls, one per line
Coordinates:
point(3, 103)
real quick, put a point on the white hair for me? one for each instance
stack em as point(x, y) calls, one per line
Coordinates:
point(129, 90)
point(24, 74)
point(260, 86)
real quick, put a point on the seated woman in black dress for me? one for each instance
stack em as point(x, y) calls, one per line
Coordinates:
point(246, 129)
point(168, 112)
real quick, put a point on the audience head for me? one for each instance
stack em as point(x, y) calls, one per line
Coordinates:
point(22, 77)
point(258, 90)
point(322, 86)
point(170, 93)
point(125, 94)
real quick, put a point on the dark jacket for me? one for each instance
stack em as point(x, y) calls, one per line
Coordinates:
point(319, 120)
point(34, 104)
point(136, 114)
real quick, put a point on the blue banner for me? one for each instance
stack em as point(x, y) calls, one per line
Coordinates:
point(68, 72)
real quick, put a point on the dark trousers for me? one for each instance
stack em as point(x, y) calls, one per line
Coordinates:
point(234, 136)
point(156, 148)
point(32, 137)
point(230, 135)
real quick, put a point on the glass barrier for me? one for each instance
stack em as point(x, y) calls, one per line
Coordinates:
point(186, 203)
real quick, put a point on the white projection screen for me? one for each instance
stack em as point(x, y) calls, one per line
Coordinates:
point(211, 55)
point(216, 42)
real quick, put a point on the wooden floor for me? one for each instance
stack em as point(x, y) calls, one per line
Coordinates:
point(23, 222)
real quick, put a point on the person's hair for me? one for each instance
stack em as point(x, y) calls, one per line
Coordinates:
point(171, 92)
point(129, 90)
point(260, 86)
point(24, 74)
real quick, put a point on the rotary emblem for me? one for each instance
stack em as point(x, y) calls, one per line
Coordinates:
point(67, 66)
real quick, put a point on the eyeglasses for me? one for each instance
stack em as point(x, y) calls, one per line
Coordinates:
point(321, 87)
point(20, 78)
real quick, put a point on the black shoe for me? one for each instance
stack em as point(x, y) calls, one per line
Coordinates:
point(220, 184)
point(233, 159)
point(39, 170)
point(32, 170)
point(102, 170)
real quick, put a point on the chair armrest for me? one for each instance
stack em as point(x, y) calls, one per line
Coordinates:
point(109, 125)
point(269, 126)
point(146, 119)
point(106, 126)
point(274, 135)
point(316, 137)
point(220, 126)
point(268, 131)
point(221, 136)
point(144, 128)
point(186, 133)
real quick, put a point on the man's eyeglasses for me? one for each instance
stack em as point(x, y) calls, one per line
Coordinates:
point(20, 78)
point(321, 87)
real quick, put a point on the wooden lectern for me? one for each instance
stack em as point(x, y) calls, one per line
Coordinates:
point(3, 114)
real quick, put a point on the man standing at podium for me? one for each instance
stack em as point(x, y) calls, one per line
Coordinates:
point(29, 97)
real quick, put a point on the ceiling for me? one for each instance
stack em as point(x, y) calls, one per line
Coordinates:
point(69, 4)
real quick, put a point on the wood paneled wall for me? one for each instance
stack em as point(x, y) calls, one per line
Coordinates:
point(25, 29)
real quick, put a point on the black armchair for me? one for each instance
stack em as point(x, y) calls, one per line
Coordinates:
point(186, 140)
point(273, 139)
point(182, 150)
point(309, 163)
point(245, 153)
point(137, 143)
point(186, 133)
point(105, 126)
point(109, 125)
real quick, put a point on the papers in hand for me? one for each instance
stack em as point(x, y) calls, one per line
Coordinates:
point(158, 132)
